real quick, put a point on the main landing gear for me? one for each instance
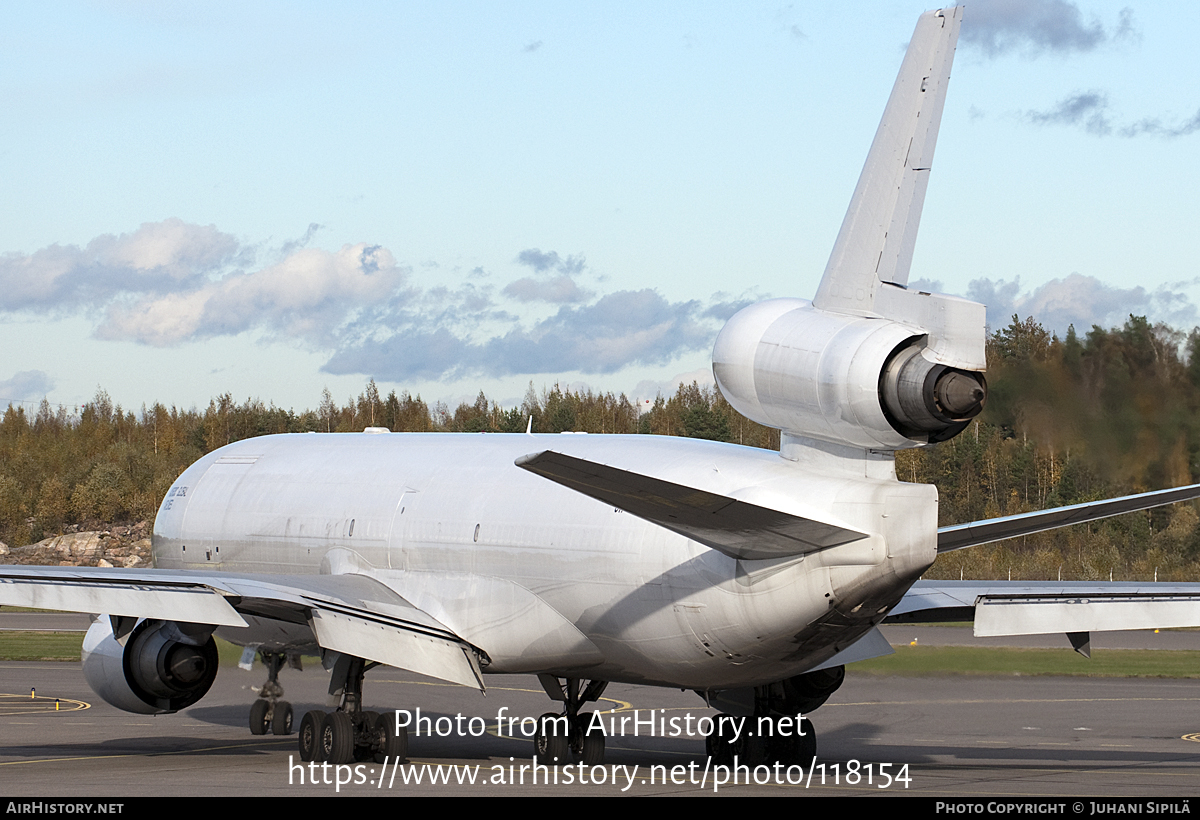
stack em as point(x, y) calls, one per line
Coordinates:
point(762, 739)
point(774, 731)
point(558, 735)
point(351, 734)
point(269, 713)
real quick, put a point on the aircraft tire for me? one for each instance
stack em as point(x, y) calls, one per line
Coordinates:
point(258, 717)
point(552, 747)
point(393, 745)
point(310, 737)
point(807, 747)
point(281, 720)
point(587, 748)
point(337, 738)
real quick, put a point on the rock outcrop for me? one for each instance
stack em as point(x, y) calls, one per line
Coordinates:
point(119, 546)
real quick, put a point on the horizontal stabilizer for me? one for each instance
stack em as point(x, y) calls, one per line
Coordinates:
point(961, 536)
point(735, 528)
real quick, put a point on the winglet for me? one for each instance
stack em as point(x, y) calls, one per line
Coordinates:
point(878, 234)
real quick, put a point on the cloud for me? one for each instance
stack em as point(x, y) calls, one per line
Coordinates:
point(558, 290)
point(619, 329)
point(725, 309)
point(532, 47)
point(302, 242)
point(1035, 27)
point(308, 295)
point(158, 257)
point(542, 262)
point(172, 283)
point(1154, 127)
point(646, 390)
point(1090, 110)
point(1082, 301)
point(1087, 109)
point(28, 385)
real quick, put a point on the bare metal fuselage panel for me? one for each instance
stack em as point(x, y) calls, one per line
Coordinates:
point(540, 577)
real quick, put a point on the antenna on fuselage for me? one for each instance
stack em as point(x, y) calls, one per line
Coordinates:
point(529, 427)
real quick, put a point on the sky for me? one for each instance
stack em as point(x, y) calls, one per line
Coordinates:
point(271, 199)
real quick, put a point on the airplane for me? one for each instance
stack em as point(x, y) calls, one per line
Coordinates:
point(751, 577)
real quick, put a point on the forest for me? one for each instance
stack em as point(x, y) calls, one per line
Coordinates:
point(1067, 420)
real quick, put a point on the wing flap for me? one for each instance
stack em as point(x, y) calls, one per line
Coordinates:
point(997, 615)
point(736, 528)
point(405, 649)
point(1002, 608)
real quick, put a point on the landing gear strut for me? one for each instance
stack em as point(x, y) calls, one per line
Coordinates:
point(559, 734)
point(351, 734)
point(269, 712)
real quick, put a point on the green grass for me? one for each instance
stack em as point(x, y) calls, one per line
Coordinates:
point(40, 646)
point(970, 660)
point(908, 660)
point(66, 646)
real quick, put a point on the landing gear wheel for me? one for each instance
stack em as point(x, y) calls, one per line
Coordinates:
point(281, 720)
point(337, 738)
point(258, 717)
point(807, 745)
point(587, 748)
point(550, 743)
point(393, 745)
point(753, 751)
point(366, 739)
point(310, 737)
point(718, 747)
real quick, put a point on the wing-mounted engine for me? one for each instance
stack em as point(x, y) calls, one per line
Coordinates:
point(158, 667)
point(869, 362)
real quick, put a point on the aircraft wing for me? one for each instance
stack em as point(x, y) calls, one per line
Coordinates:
point(961, 536)
point(737, 528)
point(352, 614)
point(1044, 607)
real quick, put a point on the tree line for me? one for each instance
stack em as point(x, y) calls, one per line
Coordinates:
point(1067, 420)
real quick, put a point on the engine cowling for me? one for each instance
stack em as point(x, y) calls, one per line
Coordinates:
point(161, 666)
point(864, 381)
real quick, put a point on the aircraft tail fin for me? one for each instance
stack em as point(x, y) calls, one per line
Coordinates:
point(875, 243)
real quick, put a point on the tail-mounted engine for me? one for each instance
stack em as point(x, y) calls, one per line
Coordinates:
point(863, 381)
point(160, 666)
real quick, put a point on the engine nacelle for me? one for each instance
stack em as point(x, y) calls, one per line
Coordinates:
point(863, 381)
point(161, 666)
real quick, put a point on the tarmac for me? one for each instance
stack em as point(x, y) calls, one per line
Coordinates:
point(956, 736)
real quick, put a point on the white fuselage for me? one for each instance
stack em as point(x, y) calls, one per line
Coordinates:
point(544, 579)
